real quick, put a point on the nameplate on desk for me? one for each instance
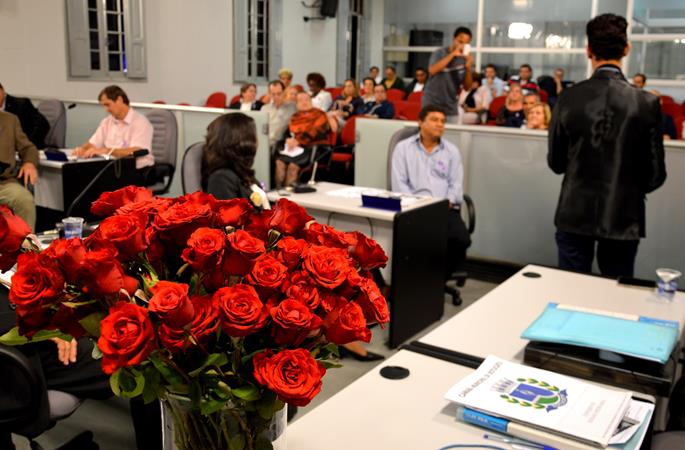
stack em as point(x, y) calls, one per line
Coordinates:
point(387, 203)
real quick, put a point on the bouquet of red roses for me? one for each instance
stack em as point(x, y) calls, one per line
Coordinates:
point(222, 311)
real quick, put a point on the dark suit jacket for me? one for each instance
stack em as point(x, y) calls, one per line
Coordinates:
point(256, 106)
point(13, 141)
point(397, 84)
point(224, 184)
point(32, 121)
point(606, 138)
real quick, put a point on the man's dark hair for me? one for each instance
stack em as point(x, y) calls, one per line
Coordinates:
point(607, 36)
point(527, 66)
point(373, 67)
point(381, 85)
point(492, 66)
point(2, 87)
point(429, 109)
point(391, 68)
point(421, 69)
point(113, 92)
point(369, 78)
point(317, 79)
point(463, 30)
point(641, 75)
point(231, 144)
point(277, 83)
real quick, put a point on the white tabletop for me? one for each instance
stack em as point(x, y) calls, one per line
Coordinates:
point(322, 200)
point(494, 323)
point(376, 413)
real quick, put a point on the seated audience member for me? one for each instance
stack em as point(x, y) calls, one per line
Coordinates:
point(321, 98)
point(368, 85)
point(524, 79)
point(391, 80)
point(639, 80)
point(381, 107)
point(474, 103)
point(13, 193)
point(529, 100)
point(279, 112)
point(419, 81)
point(494, 84)
point(286, 77)
point(35, 126)
point(375, 74)
point(290, 94)
point(248, 99)
point(228, 157)
point(308, 127)
point(559, 81)
point(538, 117)
point(121, 133)
point(347, 104)
point(511, 114)
point(428, 164)
point(667, 124)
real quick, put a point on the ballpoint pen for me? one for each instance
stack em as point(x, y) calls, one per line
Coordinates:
point(514, 442)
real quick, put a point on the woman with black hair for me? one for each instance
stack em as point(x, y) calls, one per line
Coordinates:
point(228, 157)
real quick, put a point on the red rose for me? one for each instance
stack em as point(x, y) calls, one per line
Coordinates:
point(205, 249)
point(318, 234)
point(36, 286)
point(300, 287)
point(127, 337)
point(173, 339)
point(245, 250)
point(171, 303)
point(206, 320)
point(13, 231)
point(368, 253)
point(240, 310)
point(293, 322)
point(178, 222)
point(199, 197)
point(233, 212)
point(70, 254)
point(258, 223)
point(267, 272)
point(293, 375)
point(109, 202)
point(346, 324)
point(330, 300)
point(126, 232)
point(102, 275)
point(372, 302)
point(288, 217)
point(329, 267)
point(147, 207)
point(290, 251)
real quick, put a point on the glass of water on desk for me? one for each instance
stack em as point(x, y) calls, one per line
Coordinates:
point(667, 282)
point(73, 227)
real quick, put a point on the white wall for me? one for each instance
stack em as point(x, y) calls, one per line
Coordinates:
point(189, 51)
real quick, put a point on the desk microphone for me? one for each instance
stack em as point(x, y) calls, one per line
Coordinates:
point(309, 187)
point(135, 154)
point(61, 116)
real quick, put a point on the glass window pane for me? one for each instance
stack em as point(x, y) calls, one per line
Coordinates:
point(658, 59)
point(111, 5)
point(113, 42)
point(406, 70)
point(574, 66)
point(94, 40)
point(535, 23)
point(114, 65)
point(112, 22)
point(619, 7)
point(658, 16)
point(92, 4)
point(93, 20)
point(95, 60)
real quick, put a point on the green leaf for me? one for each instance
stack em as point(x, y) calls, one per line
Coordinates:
point(114, 383)
point(152, 389)
point(77, 304)
point(96, 353)
point(263, 443)
point(328, 351)
point(248, 357)
point(91, 323)
point(330, 365)
point(12, 337)
point(169, 373)
point(237, 442)
point(215, 359)
point(248, 392)
point(208, 407)
point(182, 269)
point(131, 383)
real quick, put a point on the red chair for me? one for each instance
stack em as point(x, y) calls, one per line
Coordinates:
point(216, 100)
point(667, 99)
point(544, 97)
point(334, 91)
point(348, 138)
point(672, 109)
point(415, 97)
point(679, 123)
point(159, 102)
point(495, 106)
point(235, 98)
point(395, 95)
point(409, 110)
point(397, 106)
point(683, 107)
point(184, 104)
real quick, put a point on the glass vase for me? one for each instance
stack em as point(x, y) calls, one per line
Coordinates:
point(186, 428)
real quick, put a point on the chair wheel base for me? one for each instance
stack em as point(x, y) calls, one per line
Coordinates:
point(456, 295)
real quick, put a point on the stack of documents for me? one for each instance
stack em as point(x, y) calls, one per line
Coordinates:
point(641, 337)
point(549, 408)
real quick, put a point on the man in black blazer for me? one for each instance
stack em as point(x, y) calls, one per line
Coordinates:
point(32, 121)
point(606, 138)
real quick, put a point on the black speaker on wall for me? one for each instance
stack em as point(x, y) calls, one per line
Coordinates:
point(424, 38)
point(329, 8)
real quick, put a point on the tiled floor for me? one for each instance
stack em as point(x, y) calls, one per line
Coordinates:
point(111, 423)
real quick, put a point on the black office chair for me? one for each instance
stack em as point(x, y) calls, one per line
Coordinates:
point(460, 276)
point(28, 408)
point(191, 168)
point(164, 148)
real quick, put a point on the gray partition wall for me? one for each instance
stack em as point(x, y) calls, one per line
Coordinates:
point(515, 193)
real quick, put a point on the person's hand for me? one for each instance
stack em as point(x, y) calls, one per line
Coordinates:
point(291, 142)
point(458, 50)
point(66, 350)
point(29, 173)
point(89, 153)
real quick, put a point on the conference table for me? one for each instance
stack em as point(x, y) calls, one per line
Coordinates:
point(414, 239)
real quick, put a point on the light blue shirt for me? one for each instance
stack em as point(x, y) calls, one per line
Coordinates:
point(438, 174)
point(497, 85)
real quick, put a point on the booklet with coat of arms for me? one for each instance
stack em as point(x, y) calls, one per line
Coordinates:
point(554, 403)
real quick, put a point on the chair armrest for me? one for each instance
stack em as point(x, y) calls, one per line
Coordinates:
point(471, 211)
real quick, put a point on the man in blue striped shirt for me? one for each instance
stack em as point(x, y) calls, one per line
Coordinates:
point(426, 164)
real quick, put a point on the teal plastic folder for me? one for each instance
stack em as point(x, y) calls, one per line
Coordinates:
point(640, 337)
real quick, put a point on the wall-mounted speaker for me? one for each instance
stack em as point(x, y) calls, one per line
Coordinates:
point(329, 8)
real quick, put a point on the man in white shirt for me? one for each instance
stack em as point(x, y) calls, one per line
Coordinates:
point(121, 133)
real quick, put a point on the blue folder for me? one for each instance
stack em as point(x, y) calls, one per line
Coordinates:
point(645, 338)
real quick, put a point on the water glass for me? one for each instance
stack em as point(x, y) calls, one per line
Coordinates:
point(667, 281)
point(73, 227)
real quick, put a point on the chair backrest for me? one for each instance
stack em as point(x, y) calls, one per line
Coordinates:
point(496, 105)
point(672, 109)
point(216, 100)
point(415, 97)
point(679, 122)
point(164, 137)
point(544, 97)
point(399, 135)
point(409, 110)
point(334, 91)
point(667, 99)
point(395, 94)
point(56, 115)
point(159, 102)
point(234, 99)
point(191, 168)
point(348, 134)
